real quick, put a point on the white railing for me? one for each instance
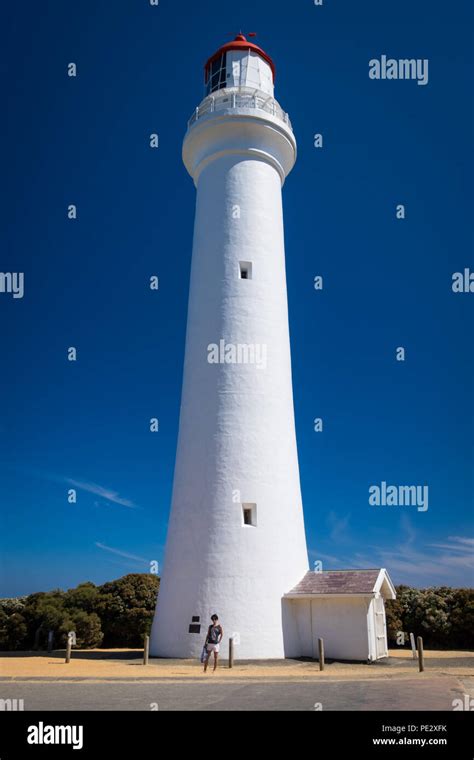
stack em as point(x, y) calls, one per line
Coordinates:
point(239, 100)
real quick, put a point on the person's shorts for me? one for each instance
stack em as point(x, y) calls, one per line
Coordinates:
point(213, 648)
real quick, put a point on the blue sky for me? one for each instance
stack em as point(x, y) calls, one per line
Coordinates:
point(387, 282)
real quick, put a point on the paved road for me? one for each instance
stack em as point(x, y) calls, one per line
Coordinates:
point(423, 693)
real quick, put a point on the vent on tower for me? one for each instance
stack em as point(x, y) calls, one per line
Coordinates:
point(245, 270)
point(194, 626)
point(249, 514)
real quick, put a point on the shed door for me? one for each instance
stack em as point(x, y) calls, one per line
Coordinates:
point(380, 628)
point(302, 611)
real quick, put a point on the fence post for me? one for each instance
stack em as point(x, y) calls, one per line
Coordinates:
point(146, 650)
point(421, 662)
point(321, 653)
point(413, 646)
point(68, 649)
point(231, 652)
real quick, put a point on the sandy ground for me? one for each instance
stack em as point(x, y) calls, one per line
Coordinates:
point(117, 664)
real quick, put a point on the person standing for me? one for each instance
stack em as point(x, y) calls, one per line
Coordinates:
point(214, 636)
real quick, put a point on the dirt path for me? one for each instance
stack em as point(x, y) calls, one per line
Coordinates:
point(125, 664)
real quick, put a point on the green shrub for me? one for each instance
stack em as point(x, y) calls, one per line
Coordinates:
point(443, 616)
point(118, 614)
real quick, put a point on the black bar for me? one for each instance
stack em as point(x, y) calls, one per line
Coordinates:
point(323, 734)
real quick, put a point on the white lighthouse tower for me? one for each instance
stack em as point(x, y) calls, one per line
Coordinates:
point(236, 541)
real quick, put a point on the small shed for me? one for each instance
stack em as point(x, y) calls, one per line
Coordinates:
point(346, 608)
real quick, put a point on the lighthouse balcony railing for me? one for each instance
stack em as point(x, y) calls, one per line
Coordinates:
point(239, 100)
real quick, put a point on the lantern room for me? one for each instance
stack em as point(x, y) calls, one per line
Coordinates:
point(239, 63)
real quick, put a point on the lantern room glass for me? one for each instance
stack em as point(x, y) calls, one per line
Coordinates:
point(216, 74)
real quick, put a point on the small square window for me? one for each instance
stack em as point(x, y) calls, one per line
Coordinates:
point(193, 628)
point(195, 619)
point(249, 514)
point(245, 270)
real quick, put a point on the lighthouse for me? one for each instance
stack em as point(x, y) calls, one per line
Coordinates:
point(236, 540)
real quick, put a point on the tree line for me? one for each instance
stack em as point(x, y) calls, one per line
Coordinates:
point(120, 613)
point(116, 614)
point(443, 616)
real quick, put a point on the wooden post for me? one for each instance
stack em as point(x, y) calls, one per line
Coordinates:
point(413, 646)
point(37, 638)
point(231, 652)
point(421, 663)
point(321, 653)
point(146, 650)
point(68, 649)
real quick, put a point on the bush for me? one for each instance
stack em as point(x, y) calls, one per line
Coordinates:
point(118, 613)
point(87, 628)
point(84, 597)
point(126, 608)
point(443, 616)
point(13, 631)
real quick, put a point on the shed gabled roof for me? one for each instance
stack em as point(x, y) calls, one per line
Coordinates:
point(344, 582)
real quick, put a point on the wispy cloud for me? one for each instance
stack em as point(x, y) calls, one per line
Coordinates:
point(414, 562)
point(326, 557)
point(83, 485)
point(462, 545)
point(121, 553)
point(104, 493)
point(125, 564)
point(339, 527)
point(468, 541)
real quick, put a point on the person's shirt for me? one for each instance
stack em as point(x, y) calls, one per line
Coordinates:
point(213, 634)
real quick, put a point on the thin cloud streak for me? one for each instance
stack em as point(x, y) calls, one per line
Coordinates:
point(120, 553)
point(104, 493)
point(448, 562)
point(339, 527)
point(83, 485)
